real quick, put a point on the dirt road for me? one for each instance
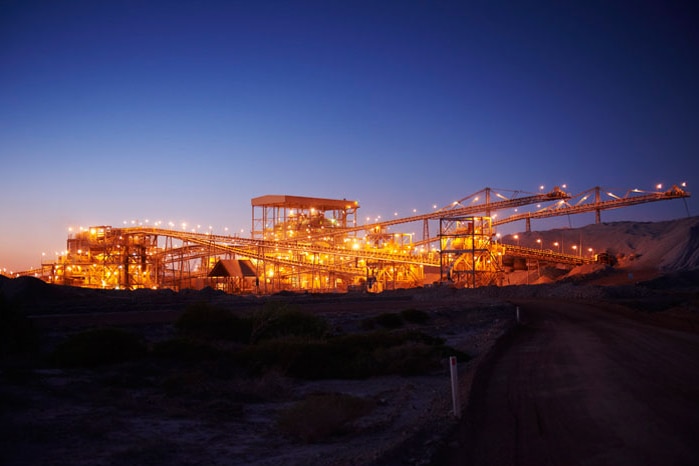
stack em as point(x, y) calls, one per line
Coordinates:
point(575, 385)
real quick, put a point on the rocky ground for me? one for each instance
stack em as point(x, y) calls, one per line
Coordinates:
point(125, 414)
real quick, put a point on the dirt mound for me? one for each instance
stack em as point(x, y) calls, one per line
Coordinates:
point(687, 257)
point(638, 246)
point(686, 280)
point(30, 289)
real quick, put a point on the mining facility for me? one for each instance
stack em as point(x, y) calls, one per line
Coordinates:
point(317, 245)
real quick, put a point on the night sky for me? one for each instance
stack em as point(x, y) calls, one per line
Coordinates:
point(184, 111)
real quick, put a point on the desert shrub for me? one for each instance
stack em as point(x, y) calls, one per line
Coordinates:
point(368, 323)
point(332, 360)
point(98, 347)
point(392, 320)
point(184, 349)
point(322, 416)
point(17, 332)
point(389, 320)
point(408, 359)
point(279, 319)
point(217, 361)
point(385, 339)
point(303, 358)
point(380, 353)
point(205, 321)
point(270, 354)
point(354, 356)
point(415, 316)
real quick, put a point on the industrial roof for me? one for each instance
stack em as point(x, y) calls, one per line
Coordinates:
point(233, 268)
point(300, 202)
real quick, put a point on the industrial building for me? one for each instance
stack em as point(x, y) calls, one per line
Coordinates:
point(317, 245)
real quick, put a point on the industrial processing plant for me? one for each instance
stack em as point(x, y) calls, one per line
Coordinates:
point(318, 245)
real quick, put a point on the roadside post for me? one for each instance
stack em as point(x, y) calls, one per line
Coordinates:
point(454, 387)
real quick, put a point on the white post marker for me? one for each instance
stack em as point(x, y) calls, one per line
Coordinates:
point(518, 321)
point(454, 387)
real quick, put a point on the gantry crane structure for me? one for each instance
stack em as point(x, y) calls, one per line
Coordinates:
point(316, 244)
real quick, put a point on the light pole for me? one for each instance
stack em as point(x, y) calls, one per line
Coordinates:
point(516, 237)
point(541, 245)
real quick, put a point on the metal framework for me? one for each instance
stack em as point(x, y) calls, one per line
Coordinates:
point(281, 217)
point(315, 244)
point(468, 256)
point(595, 200)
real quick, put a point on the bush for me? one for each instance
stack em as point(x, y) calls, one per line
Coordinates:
point(185, 349)
point(355, 356)
point(278, 319)
point(409, 359)
point(306, 359)
point(384, 339)
point(270, 355)
point(415, 316)
point(98, 347)
point(322, 416)
point(332, 360)
point(209, 322)
point(392, 320)
point(368, 323)
point(389, 320)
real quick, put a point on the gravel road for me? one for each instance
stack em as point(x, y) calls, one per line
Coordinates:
point(575, 385)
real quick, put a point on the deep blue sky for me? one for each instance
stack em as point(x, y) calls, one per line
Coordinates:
point(184, 111)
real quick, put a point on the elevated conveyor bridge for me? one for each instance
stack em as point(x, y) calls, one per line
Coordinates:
point(595, 200)
point(322, 254)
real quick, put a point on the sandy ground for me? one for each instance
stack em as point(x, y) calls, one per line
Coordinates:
point(576, 384)
point(119, 415)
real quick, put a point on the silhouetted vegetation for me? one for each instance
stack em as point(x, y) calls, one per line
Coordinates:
point(415, 316)
point(205, 321)
point(322, 416)
point(185, 349)
point(393, 320)
point(99, 347)
point(273, 320)
point(279, 319)
point(389, 320)
point(355, 356)
point(297, 344)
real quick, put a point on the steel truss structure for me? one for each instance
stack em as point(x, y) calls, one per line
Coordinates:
point(315, 244)
point(467, 254)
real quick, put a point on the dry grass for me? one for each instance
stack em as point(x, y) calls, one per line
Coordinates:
point(322, 416)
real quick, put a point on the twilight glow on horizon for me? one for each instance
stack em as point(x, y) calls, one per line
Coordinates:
point(127, 112)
